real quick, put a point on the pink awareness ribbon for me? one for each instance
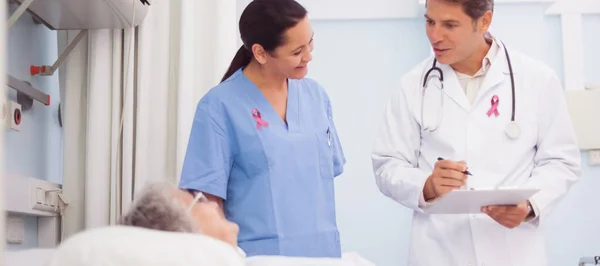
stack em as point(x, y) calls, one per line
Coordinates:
point(494, 108)
point(259, 121)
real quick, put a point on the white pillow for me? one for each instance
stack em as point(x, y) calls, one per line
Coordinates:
point(128, 246)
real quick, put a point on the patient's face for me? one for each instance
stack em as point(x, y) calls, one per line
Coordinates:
point(210, 222)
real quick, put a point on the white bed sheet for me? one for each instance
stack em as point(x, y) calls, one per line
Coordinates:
point(40, 257)
point(126, 246)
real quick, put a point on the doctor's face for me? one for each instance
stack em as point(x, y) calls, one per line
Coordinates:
point(454, 35)
point(291, 59)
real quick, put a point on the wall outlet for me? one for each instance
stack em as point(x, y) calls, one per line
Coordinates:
point(14, 115)
point(595, 157)
point(44, 199)
point(15, 229)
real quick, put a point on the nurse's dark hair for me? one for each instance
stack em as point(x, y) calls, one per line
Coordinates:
point(475, 8)
point(264, 22)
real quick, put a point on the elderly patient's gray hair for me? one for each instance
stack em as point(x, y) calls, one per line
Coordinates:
point(158, 208)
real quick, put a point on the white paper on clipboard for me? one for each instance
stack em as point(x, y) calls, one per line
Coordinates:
point(471, 201)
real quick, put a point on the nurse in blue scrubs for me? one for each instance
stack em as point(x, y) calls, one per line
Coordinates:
point(263, 143)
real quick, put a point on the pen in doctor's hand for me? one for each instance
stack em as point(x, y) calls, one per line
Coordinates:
point(446, 176)
point(466, 172)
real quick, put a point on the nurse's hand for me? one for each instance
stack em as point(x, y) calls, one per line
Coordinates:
point(446, 176)
point(508, 216)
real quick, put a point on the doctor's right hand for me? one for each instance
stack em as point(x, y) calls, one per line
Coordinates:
point(446, 176)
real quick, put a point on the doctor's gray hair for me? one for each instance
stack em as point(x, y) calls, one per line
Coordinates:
point(474, 8)
point(158, 208)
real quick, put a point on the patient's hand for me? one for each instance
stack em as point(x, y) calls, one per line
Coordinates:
point(508, 216)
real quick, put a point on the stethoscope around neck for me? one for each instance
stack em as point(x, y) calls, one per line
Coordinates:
point(512, 130)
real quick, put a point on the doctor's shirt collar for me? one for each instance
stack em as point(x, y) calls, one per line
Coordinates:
point(489, 57)
point(486, 63)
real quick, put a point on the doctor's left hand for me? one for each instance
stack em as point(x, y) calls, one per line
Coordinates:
point(508, 216)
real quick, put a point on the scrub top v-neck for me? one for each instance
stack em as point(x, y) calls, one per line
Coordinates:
point(276, 178)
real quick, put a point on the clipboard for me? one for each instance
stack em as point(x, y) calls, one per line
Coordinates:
point(462, 201)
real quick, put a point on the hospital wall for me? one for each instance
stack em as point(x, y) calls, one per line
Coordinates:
point(361, 61)
point(35, 150)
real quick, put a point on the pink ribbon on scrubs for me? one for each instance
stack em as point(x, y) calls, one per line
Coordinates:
point(259, 121)
point(494, 108)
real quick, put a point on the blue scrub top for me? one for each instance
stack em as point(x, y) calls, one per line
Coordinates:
point(276, 181)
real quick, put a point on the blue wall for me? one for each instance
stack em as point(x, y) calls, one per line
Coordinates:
point(36, 150)
point(360, 62)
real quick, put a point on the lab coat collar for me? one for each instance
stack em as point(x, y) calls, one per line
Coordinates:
point(495, 76)
point(452, 87)
point(489, 58)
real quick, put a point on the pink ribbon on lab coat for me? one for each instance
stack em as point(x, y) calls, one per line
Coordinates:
point(259, 121)
point(494, 108)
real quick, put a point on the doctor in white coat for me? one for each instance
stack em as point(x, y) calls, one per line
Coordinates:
point(500, 115)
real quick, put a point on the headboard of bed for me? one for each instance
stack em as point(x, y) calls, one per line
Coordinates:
point(27, 196)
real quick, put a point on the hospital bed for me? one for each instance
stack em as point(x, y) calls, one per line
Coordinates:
point(125, 246)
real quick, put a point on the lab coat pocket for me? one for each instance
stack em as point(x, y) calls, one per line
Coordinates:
point(325, 153)
point(527, 137)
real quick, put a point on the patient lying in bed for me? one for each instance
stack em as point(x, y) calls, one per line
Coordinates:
point(167, 226)
point(164, 207)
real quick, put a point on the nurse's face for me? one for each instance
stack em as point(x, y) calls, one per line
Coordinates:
point(209, 220)
point(291, 59)
point(453, 35)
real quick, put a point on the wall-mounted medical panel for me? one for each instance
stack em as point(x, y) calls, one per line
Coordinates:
point(38, 198)
point(32, 196)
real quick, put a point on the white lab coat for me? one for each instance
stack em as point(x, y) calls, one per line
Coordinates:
point(545, 156)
